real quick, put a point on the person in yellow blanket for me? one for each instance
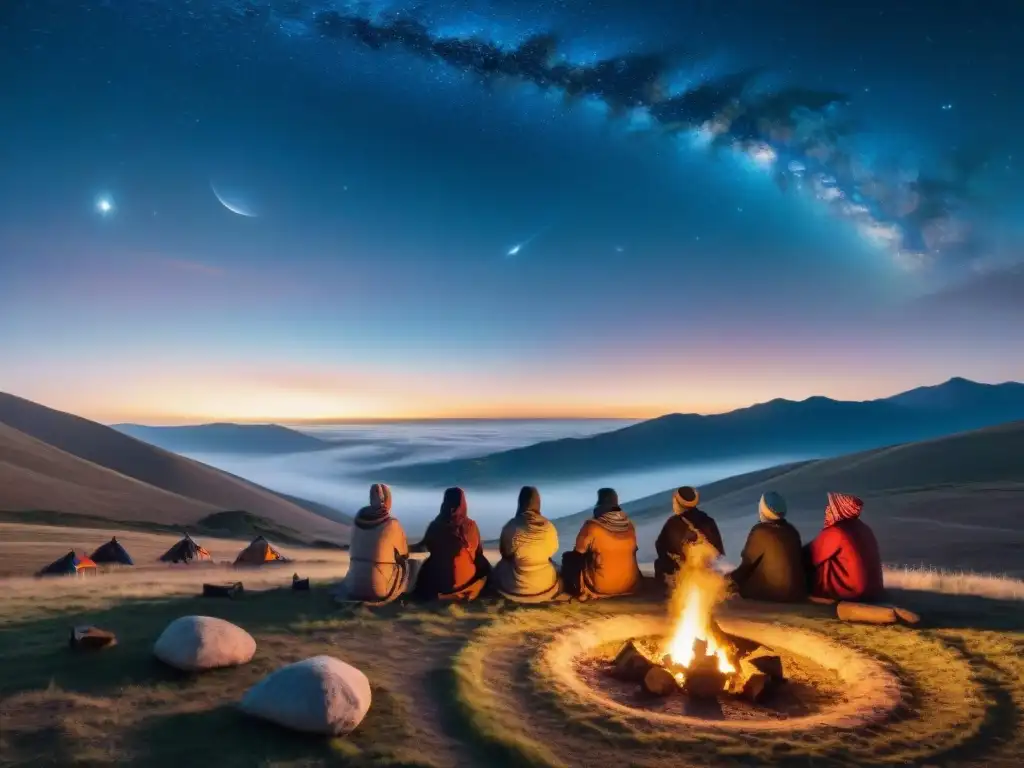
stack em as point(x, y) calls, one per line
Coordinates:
point(378, 553)
point(603, 562)
point(526, 572)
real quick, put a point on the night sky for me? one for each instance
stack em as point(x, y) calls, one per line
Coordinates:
point(290, 209)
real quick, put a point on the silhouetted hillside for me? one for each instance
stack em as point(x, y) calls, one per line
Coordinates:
point(955, 501)
point(58, 462)
point(225, 438)
point(816, 427)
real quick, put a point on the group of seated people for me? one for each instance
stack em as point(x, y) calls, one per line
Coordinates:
point(841, 563)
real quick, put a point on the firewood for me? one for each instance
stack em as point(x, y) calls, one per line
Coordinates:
point(230, 591)
point(866, 614)
point(91, 639)
point(756, 687)
point(630, 663)
point(659, 682)
point(764, 662)
point(703, 679)
point(907, 617)
point(736, 647)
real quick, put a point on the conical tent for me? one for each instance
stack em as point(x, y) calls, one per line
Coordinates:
point(69, 565)
point(185, 551)
point(112, 552)
point(259, 553)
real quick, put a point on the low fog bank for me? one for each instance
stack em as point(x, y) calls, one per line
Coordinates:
point(332, 478)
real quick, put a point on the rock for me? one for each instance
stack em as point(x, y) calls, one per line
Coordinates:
point(196, 643)
point(91, 639)
point(319, 695)
point(630, 664)
point(659, 682)
point(300, 585)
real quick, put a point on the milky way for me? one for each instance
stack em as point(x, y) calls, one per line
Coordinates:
point(803, 137)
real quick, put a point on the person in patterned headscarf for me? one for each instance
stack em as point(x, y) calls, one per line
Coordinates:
point(843, 561)
point(688, 525)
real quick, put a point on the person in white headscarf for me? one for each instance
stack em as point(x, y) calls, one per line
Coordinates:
point(771, 564)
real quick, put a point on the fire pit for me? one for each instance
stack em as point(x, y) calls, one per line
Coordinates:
point(698, 658)
point(721, 665)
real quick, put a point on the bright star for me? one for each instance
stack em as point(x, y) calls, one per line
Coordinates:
point(105, 206)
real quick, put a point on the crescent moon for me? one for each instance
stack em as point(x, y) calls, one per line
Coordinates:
point(234, 207)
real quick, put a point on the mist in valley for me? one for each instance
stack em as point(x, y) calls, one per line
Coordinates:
point(337, 476)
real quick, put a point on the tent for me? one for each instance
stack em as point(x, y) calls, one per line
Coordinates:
point(185, 551)
point(69, 565)
point(112, 552)
point(259, 553)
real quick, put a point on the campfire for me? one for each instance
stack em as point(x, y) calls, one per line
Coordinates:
point(698, 658)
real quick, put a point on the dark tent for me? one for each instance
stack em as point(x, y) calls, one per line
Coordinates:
point(69, 565)
point(113, 553)
point(185, 551)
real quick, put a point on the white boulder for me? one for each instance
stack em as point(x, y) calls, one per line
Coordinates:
point(319, 695)
point(196, 643)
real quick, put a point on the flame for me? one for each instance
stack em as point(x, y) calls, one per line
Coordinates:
point(698, 588)
point(695, 624)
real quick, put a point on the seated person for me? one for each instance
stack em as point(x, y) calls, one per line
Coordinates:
point(378, 569)
point(687, 525)
point(456, 568)
point(529, 540)
point(843, 562)
point(771, 564)
point(603, 562)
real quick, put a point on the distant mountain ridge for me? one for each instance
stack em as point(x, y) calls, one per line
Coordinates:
point(817, 427)
point(259, 439)
point(56, 462)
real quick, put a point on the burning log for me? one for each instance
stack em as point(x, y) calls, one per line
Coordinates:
point(737, 647)
point(631, 663)
point(659, 682)
point(704, 680)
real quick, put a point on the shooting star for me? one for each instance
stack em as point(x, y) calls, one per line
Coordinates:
point(515, 249)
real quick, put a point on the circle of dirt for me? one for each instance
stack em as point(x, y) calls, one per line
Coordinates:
point(871, 691)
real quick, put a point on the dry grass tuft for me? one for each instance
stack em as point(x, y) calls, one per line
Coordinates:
point(955, 583)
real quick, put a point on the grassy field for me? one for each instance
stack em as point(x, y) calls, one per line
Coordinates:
point(468, 685)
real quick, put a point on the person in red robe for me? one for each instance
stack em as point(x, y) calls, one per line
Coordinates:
point(843, 561)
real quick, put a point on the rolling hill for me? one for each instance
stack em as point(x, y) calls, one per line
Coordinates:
point(253, 439)
point(816, 427)
point(54, 462)
point(955, 501)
